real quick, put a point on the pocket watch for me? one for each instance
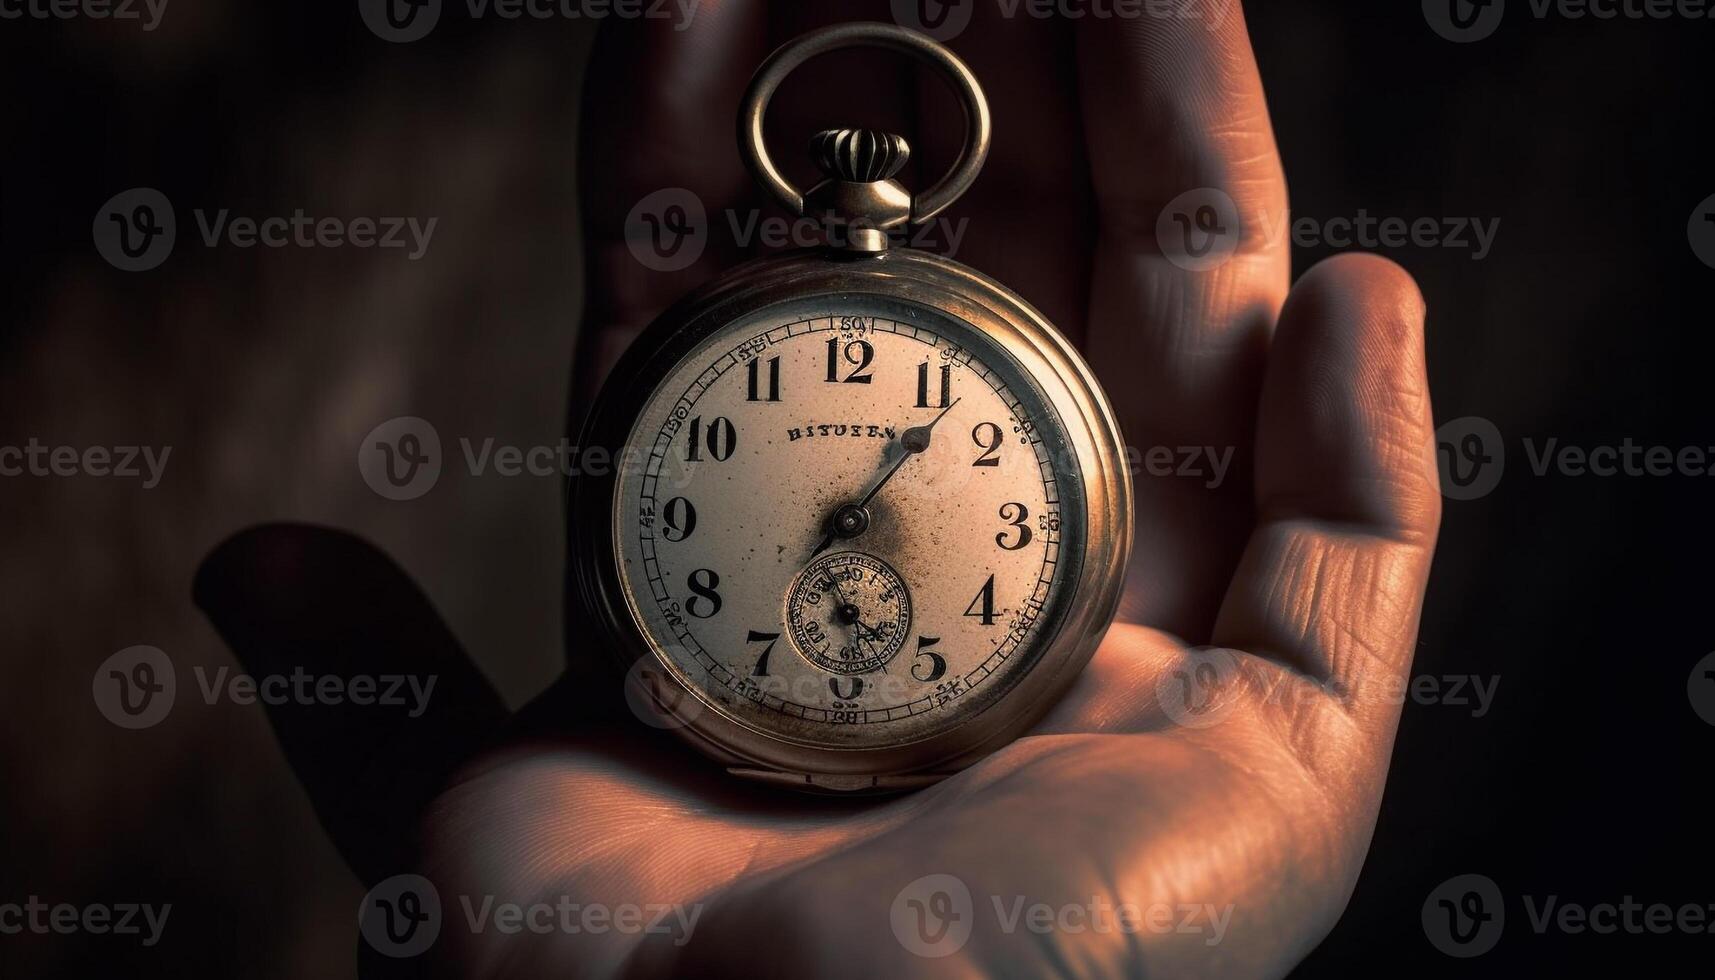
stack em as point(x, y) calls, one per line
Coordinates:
point(871, 515)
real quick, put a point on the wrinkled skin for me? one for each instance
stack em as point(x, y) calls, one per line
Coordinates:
point(1311, 558)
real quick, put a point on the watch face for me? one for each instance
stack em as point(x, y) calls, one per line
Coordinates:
point(851, 522)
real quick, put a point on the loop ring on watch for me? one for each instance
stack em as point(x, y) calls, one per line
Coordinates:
point(782, 62)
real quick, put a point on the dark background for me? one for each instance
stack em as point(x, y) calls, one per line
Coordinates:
point(1586, 597)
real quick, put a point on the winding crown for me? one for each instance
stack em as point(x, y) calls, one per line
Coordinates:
point(859, 155)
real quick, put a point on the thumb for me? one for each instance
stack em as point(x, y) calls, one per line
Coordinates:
point(1332, 580)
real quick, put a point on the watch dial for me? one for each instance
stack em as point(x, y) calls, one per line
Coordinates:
point(848, 522)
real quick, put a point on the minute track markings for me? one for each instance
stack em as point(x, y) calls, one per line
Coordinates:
point(774, 339)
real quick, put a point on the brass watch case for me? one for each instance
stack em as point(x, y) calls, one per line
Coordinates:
point(1066, 639)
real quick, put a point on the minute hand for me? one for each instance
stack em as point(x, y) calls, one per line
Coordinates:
point(914, 440)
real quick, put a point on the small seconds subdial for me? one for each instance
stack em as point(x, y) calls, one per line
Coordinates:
point(849, 529)
point(849, 613)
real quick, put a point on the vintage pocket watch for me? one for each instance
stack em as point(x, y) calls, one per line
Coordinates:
point(873, 514)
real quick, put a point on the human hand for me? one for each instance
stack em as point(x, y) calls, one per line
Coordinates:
point(1253, 797)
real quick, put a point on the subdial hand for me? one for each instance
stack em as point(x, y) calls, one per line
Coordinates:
point(852, 520)
point(849, 614)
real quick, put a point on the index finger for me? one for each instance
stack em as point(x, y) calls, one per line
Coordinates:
point(655, 141)
point(1187, 279)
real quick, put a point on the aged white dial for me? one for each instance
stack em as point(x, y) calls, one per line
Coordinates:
point(848, 523)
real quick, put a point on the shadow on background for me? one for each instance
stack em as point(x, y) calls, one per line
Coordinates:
point(1575, 600)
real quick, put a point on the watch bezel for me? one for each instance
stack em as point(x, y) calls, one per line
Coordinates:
point(1064, 381)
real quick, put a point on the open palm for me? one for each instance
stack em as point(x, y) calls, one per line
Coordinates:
point(1216, 769)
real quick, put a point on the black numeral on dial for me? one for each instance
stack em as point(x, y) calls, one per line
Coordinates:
point(985, 598)
point(706, 601)
point(858, 353)
point(754, 392)
point(757, 636)
point(678, 519)
point(1014, 514)
point(937, 664)
point(720, 439)
point(988, 438)
point(923, 386)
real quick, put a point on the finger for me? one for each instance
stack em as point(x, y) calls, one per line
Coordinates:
point(1332, 580)
point(1027, 221)
point(309, 605)
point(1171, 105)
point(659, 112)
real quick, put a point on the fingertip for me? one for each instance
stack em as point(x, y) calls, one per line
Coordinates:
point(1346, 431)
point(1373, 287)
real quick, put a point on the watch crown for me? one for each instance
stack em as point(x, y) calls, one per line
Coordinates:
point(862, 156)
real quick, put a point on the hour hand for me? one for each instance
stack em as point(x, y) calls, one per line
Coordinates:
point(851, 520)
